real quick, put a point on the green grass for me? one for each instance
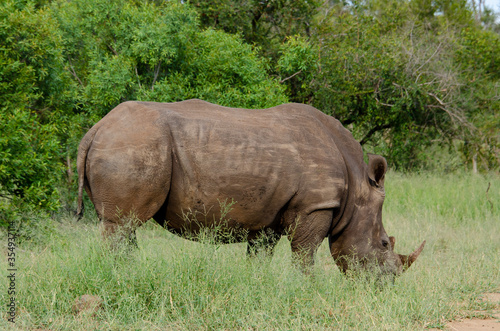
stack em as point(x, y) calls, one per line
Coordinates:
point(173, 283)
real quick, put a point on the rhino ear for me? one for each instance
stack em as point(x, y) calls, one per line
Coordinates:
point(393, 242)
point(377, 167)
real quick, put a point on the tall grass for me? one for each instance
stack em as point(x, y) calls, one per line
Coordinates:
point(173, 283)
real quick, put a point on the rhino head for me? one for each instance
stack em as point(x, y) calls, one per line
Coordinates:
point(363, 242)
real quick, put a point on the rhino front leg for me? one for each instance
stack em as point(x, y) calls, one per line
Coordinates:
point(132, 239)
point(264, 241)
point(306, 235)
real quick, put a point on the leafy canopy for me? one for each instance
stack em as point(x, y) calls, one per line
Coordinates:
point(64, 65)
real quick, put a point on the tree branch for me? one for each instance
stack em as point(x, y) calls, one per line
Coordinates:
point(69, 170)
point(295, 74)
point(430, 58)
point(138, 79)
point(157, 71)
point(372, 132)
point(112, 50)
point(383, 104)
point(73, 72)
point(453, 115)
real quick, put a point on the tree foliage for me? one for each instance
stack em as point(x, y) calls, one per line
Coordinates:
point(121, 51)
point(403, 75)
point(266, 23)
point(66, 64)
point(32, 108)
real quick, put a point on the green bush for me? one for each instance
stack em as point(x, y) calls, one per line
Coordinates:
point(32, 110)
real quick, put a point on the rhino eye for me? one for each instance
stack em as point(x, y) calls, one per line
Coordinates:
point(385, 243)
point(372, 182)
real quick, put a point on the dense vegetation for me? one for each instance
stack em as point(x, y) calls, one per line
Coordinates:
point(170, 283)
point(413, 79)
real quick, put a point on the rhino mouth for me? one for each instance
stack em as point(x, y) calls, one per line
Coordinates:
point(393, 265)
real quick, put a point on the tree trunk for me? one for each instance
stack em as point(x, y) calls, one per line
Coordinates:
point(474, 163)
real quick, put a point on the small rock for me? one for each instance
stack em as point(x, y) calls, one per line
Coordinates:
point(87, 303)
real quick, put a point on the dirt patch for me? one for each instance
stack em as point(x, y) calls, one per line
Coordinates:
point(492, 297)
point(476, 324)
point(473, 325)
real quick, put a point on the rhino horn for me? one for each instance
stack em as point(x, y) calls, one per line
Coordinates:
point(407, 260)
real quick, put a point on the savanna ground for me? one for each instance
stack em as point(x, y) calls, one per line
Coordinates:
point(173, 283)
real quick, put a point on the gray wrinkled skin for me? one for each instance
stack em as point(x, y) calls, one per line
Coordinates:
point(291, 170)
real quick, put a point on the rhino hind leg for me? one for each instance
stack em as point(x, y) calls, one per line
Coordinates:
point(127, 199)
point(119, 234)
point(264, 242)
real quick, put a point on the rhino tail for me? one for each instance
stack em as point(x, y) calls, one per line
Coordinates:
point(80, 167)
